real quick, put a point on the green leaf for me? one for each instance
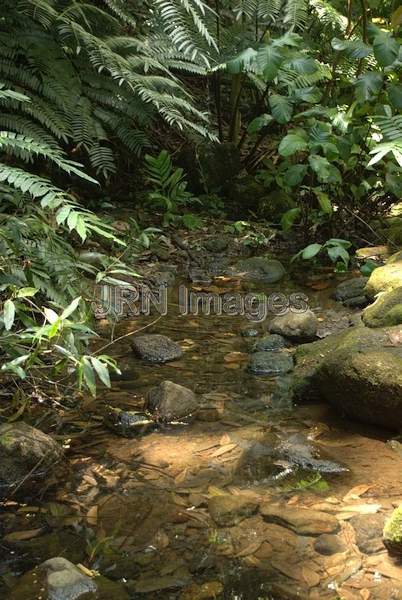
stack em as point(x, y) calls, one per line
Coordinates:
point(310, 251)
point(70, 308)
point(88, 374)
point(8, 314)
point(101, 370)
point(242, 62)
point(281, 108)
point(368, 86)
point(50, 315)
point(26, 292)
point(395, 95)
point(386, 48)
point(295, 175)
point(326, 172)
point(269, 59)
point(338, 252)
point(291, 144)
point(289, 217)
point(353, 48)
point(323, 201)
point(258, 123)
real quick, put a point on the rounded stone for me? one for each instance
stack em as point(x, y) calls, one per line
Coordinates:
point(270, 363)
point(156, 348)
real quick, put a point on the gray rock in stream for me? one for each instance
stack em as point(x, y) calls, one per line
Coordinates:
point(351, 292)
point(171, 401)
point(156, 348)
point(270, 363)
point(259, 268)
point(297, 326)
point(270, 343)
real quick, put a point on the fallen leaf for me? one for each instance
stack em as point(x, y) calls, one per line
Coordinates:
point(250, 549)
point(225, 439)
point(356, 492)
point(215, 491)
point(20, 536)
point(365, 594)
point(310, 577)
point(235, 357)
point(223, 450)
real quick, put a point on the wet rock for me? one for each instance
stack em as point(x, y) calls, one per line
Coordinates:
point(156, 348)
point(270, 343)
point(297, 452)
point(217, 244)
point(302, 521)
point(58, 543)
point(386, 310)
point(351, 292)
point(327, 545)
point(128, 423)
point(227, 510)
point(171, 401)
point(392, 533)
point(385, 279)
point(358, 371)
point(368, 529)
point(59, 579)
point(270, 363)
point(295, 326)
point(26, 454)
point(260, 268)
point(249, 332)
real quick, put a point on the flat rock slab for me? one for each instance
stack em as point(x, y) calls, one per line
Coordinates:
point(297, 326)
point(156, 348)
point(301, 520)
point(270, 363)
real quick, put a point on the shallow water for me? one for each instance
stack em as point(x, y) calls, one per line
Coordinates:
point(140, 506)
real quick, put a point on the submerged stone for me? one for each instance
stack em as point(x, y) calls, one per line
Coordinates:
point(227, 510)
point(303, 521)
point(156, 348)
point(59, 579)
point(270, 363)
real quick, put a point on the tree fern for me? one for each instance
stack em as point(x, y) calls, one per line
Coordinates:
point(295, 14)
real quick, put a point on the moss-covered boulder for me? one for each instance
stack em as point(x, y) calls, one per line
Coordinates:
point(359, 371)
point(386, 310)
point(386, 278)
point(392, 534)
point(273, 205)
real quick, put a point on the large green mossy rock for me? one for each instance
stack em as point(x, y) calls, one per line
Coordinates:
point(386, 310)
point(386, 278)
point(359, 371)
point(392, 534)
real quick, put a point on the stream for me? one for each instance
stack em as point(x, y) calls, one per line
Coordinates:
point(257, 498)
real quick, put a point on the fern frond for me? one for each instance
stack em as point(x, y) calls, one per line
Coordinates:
point(296, 15)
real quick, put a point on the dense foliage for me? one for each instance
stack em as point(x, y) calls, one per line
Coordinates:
point(295, 102)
